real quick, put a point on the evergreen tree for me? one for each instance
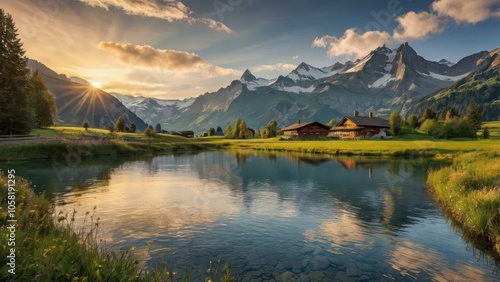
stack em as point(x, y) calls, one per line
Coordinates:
point(413, 121)
point(158, 128)
point(450, 114)
point(486, 133)
point(14, 78)
point(243, 130)
point(395, 123)
point(120, 125)
point(428, 114)
point(211, 132)
point(86, 125)
point(229, 131)
point(219, 131)
point(133, 127)
point(473, 116)
point(236, 130)
point(42, 102)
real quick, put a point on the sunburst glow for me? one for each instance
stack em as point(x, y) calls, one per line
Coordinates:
point(96, 84)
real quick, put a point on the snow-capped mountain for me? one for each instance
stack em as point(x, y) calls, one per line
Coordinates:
point(155, 110)
point(384, 80)
point(252, 82)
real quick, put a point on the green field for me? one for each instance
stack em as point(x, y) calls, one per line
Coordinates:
point(103, 143)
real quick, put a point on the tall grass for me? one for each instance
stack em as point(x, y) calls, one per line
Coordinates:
point(469, 190)
point(51, 248)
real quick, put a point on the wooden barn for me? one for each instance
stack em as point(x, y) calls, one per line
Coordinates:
point(306, 130)
point(186, 134)
point(358, 127)
point(249, 133)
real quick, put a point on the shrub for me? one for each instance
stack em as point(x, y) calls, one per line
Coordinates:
point(86, 125)
point(486, 133)
point(149, 132)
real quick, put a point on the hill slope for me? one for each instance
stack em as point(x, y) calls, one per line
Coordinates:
point(482, 86)
point(77, 103)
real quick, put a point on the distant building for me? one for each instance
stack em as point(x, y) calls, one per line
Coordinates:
point(250, 133)
point(357, 127)
point(187, 134)
point(306, 130)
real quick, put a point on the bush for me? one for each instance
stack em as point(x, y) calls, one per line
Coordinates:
point(486, 133)
point(149, 132)
point(451, 129)
point(86, 125)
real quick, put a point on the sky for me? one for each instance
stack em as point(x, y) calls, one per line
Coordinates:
point(176, 49)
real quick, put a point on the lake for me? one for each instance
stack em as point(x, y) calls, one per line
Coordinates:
point(281, 217)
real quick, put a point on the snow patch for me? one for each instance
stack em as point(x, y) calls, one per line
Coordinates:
point(311, 74)
point(295, 89)
point(253, 85)
point(445, 77)
point(382, 82)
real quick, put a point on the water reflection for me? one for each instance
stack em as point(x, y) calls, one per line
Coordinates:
point(317, 217)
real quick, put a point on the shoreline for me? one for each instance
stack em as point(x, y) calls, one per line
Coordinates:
point(448, 185)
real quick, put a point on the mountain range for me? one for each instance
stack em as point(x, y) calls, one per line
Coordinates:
point(384, 80)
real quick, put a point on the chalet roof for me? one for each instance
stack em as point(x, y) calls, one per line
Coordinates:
point(365, 121)
point(251, 129)
point(300, 125)
point(183, 133)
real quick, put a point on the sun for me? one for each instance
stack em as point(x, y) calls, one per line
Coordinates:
point(96, 84)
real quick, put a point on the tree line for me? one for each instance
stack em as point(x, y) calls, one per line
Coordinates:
point(453, 126)
point(25, 102)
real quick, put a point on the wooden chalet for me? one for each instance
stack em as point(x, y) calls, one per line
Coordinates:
point(306, 130)
point(186, 134)
point(249, 133)
point(358, 127)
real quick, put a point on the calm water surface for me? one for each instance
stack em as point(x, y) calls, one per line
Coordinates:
point(272, 217)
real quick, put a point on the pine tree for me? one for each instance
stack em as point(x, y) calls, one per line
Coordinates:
point(120, 125)
point(158, 128)
point(395, 123)
point(428, 114)
point(243, 130)
point(229, 131)
point(42, 102)
point(86, 125)
point(413, 121)
point(236, 130)
point(450, 114)
point(473, 116)
point(14, 78)
point(211, 132)
point(133, 127)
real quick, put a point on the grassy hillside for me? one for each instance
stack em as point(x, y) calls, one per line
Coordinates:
point(483, 87)
point(468, 190)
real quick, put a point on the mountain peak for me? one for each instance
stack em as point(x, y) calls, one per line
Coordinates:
point(383, 49)
point(303, 65)
point(248, 76)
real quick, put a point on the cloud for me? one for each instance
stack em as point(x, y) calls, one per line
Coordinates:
point(275, 67)
point(417, 26)
point(171, 60)
point(170, 10)
point(352, 43)
point(468, 11)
